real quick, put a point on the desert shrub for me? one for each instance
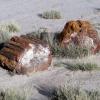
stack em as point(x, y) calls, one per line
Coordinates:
point(71, 51)
point(51, 15)
point(70, 93)
point(44, 35)
point(10, 27)
point(82, 66)
point(7, 30)
point(11, 94)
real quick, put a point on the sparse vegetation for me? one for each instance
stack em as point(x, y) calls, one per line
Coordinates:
point(51, 15)
point(70, 93)
point(44, 35)
point(9, 27)
point(11, 94)
point(57, 51)
point(7, 30)
point(82, 66)
point(69, 52)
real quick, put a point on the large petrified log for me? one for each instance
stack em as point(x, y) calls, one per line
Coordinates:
point(25, 54)
point(80, 33)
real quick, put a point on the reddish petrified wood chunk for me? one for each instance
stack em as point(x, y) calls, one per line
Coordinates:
point(80, 33)
point(25, 54)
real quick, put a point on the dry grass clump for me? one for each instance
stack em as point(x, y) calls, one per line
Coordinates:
point(11, 94)
point(70, 93)
point(70, 51)
point(7, 30)
point(10, 27)
point(82, 66)
point(51, 15)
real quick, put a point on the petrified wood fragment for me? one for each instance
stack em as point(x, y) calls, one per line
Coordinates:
point(25, 54)
point(80, 33)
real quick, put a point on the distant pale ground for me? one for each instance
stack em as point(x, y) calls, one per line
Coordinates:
point(26, 13)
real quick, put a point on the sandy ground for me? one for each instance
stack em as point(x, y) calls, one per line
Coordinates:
point(25, 12)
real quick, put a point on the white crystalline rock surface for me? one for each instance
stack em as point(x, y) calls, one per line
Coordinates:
point(87, 42)
point(35, 56)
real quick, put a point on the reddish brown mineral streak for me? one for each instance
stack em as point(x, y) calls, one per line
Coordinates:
point(23, 42)
point(15, 48)
point(33, 40)
point(97, 48)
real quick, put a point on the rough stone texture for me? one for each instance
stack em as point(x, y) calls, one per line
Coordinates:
point(80, 33)
point(25, 54)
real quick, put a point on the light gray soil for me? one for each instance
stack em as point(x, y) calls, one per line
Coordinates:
point(25, 12)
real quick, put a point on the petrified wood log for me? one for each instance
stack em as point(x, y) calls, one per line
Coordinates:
point(79, 32)
point(25, 54)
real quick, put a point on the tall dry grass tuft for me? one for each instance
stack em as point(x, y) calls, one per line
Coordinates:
point(7, 30)
point(53, 14)
point(70, 93)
